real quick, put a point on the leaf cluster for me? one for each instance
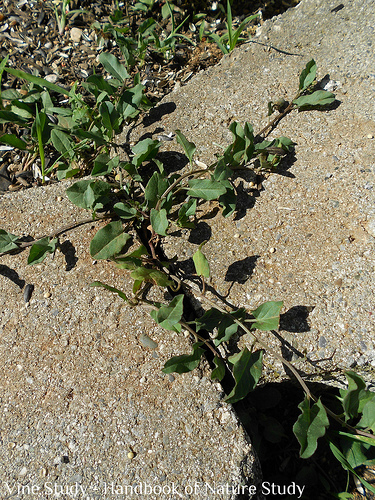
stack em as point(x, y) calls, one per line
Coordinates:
point(65, 122)
point(352, 447)
point(145, 202)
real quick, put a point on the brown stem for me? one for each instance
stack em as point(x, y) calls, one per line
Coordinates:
point(275, 120)
point(176, 182)
point(288, 365)
point(68, 227)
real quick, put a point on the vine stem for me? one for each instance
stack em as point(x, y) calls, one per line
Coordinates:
point(281, 115)
point(287, 364)
point(67, 227)
point(177, 181)
point(152, 305)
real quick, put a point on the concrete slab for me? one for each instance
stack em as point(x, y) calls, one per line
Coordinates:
point(79, 390)
point(319, 214)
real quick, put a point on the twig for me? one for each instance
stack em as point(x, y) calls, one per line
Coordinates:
point(68, 227)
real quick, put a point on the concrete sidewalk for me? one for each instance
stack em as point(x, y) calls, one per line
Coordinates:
point(79, 389)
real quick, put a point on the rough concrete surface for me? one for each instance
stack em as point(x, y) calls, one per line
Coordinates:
point(79, 390)
point(308, 236)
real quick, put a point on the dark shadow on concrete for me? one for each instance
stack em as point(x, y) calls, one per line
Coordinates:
point(173, 161)
point(156, 114)
point(295, 319)
point(201, 233)
point(241, 270)
point(69, 252)
point(12, 275)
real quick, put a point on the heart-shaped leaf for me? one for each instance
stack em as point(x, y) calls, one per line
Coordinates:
point(186, 362)
point(109, 241)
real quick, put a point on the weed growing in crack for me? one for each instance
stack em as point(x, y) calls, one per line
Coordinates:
point(142, 209)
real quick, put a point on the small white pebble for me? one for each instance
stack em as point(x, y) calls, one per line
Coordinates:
point(47, 295)
point(131, 455)
point(43, 472)
point(22, 472)
point(59, 198)
point(370, 136)
point(272, 250)
point(236, 235)
point(11, 445)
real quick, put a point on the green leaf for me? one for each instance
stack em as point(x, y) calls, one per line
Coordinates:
point(10, 94)
point(38, 251)
point(317, 98)
point(267, 316)
point(201, 264)
point(242, 148)
point(247, 369)
point(186, 362)
point(8, 241)
point(357, 437)
point(110, 117)
point(207, 189)
point(222, 172)
point(368, 416)
point(152, 276)
point(228, 201)
point(228, 327)
point(310, 426)
point(355, 398)
point(210, 320)
point(113, 66)
point(218, 373)
point(225, 324)
point(3, 63)
point(103, 164)
point(125, 211)
point(189, 147)
point(101, 84)
point(65, 171)
point(62, 142)
point(8, 116)
point(111, 289)
point(156, 186)
point(89, 194)
point(109, 241)
point(357, 452)
point(131, 260)
point(22, 109)
point(94, 136)
point(145, 150)
point(235, 36)
point(159, 221)
point(13, 140)
point(308, 75)
point(168, 316)
point(130, 102)
point(37, 80)
point(346, 466)
point(187, 210)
